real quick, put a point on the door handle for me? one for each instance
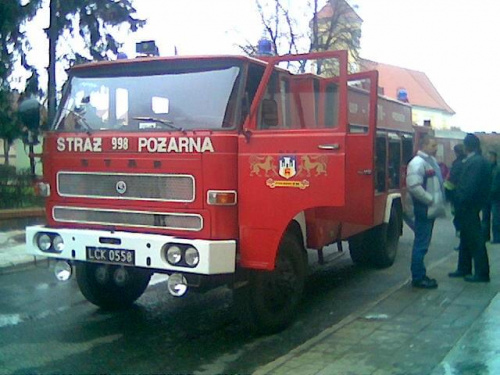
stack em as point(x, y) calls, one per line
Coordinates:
point(365, 172)
point(334, 146)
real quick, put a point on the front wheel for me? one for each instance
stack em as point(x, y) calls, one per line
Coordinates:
point(111, 287)
point(269, 302)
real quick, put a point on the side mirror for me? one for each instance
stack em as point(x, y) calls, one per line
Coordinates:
point(29, 114)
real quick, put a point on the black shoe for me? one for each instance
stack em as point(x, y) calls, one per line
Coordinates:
point(477, 279)
point(458, 274)
point(425, 283)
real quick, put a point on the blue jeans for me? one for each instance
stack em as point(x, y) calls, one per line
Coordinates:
point(423, 235)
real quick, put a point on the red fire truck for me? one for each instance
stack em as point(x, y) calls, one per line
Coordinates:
point(219, 171)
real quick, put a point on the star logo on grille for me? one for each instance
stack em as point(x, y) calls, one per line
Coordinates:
point(121, 187)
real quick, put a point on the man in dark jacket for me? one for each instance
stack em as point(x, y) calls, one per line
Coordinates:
point(450, 185)
point(472, 192)
point(486, 212)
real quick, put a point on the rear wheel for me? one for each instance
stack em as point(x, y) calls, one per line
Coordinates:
point(378, 246)
point(269, 302)
point(111, 287)
point(358, 249)
point(385, 239)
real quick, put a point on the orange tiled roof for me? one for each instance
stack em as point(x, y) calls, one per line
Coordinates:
point(421, 91)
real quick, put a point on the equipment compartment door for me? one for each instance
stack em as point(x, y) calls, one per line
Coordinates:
point(360, 140)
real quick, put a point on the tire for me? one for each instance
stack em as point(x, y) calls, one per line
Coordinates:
point(385, 239)
point(358, 249)
point(103, 291)
point(378, 246)
point(269, 302)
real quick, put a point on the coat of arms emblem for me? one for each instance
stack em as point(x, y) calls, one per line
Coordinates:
point(287, 166)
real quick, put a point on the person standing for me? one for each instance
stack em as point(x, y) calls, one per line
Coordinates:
point(451, 183)
point(486, 211)
point(495, 206)
point(472, 192)
point(425, 186)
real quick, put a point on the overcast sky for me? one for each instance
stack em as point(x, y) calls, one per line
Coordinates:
point(455, 42)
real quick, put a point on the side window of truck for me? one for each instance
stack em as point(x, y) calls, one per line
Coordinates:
point(407, 149)
point(331, 106)
point(285, 102)
point(380, 163)
point(394, 161)
point(290, 103)
point(269, 111)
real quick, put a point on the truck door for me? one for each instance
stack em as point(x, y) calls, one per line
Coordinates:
point(291, 157)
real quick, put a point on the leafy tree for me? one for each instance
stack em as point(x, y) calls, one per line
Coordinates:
point(332, 25)
point(10, 128)
point(12, 43)
point(93, 22)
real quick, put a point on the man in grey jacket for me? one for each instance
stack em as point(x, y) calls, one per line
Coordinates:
point(425, 185)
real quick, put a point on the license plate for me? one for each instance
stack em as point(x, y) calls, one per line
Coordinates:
point(114, 256)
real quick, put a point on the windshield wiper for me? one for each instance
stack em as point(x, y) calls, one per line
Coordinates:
point(81, 121)
point(165, 122)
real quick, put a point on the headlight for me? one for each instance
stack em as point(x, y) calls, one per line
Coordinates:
point(58, 243)
point(192, 257)
point(44, 242)
point(174, 254)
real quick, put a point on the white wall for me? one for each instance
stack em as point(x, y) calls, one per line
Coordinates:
point(439, 119)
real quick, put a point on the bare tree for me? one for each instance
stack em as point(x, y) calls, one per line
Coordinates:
point(320, 26)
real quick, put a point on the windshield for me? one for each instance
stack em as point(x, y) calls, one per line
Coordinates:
point(183, 99)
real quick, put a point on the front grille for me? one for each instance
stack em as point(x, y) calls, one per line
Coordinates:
point(156, 187)
point(191, 222)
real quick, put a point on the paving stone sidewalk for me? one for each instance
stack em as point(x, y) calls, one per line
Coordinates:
point(13, 222)
point(408, 331)
point(13, 255)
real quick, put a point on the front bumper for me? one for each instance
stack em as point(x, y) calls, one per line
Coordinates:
point(216, 257)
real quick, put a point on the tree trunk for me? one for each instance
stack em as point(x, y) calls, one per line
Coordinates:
point(6, 149)
point(52, 34)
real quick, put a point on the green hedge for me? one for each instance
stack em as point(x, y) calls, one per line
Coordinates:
point(16, 189)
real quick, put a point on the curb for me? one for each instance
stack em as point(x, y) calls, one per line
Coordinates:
point(19, 218)
point(24, 265)
point(21, 213)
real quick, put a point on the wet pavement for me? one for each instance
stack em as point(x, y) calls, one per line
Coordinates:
point(447, 331)
point(478, 351)
point(451, 330)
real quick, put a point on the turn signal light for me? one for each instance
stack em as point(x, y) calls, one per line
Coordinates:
point(221, 197)
point(42, 189)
